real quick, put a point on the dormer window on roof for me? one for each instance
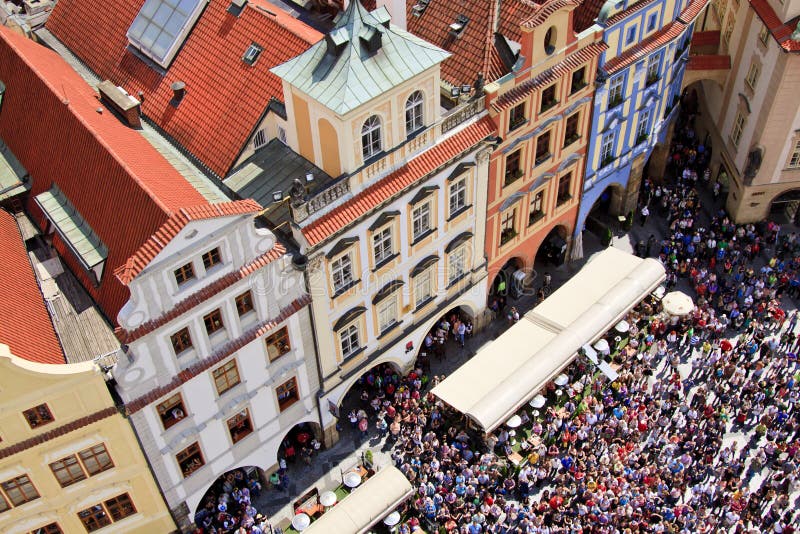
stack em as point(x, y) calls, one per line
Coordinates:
point(419, 8)
point(161, 27)
point(457, 28)
point(251, 54)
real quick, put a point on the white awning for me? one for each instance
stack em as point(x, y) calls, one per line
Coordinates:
point(369, 503)
point(507, 373)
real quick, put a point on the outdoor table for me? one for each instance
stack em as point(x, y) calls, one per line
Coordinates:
point(514, 458)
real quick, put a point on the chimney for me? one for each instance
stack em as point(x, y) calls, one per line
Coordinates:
point(397, 10)
point(178, 92)
point(120, 103)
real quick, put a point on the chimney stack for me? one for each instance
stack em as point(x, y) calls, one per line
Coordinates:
point(178, 92)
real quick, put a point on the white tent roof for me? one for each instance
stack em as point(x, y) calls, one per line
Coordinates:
point(503, 376)
point(369, 503)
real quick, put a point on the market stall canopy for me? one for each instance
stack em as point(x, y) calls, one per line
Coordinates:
point(503, 376)
point(367, 505)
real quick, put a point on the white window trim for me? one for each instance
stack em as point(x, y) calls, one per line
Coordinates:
point(371, 137)
point(419, 209)
point(458, 188)
point(347, 329)
point(387, 309)
point(415, 112)
point(460, 254)
point(379, 243)
point(334, 270)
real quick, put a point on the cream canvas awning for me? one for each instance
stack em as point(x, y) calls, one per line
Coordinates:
point(369, 503)
point(498, 380)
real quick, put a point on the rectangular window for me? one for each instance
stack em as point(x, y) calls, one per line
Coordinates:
point(213, 322)
point(226, 376)
point(240, 425)
point(564, 185)
point(615, 91)
point(348, 340)
point(423, 287)
point(38, 416)
point(548, 98)
point(513, 166)
point(382, 245)
point(763, 35)
point(287, 393)
point(171, 410)
point(282, 135)
point(251, 54)
point(458, 196)
point(457, 264)
point(387, 313)
point(181, 340)
point(20, 490)
point(184, 273)
point(52, 528)
point(4, 504)
point(421, 220)
point(542, 147)
point(94, 518)
point(244, 303)
point(652, 20)
point(571, 129)
point(578, 80)
point(342, 273)
point(190, 459)
point(211, 258)
point(752, 75)
point(278, 344)
point(120, 507)
point(794, 159)
point(96, 459)
point(738, 128)
point(726, 35)
point(67, 471)
point(516, 117)
point(630, 36)
point(653, 65)
point(536, 211)
point(643, 128)
point(507, 226)
point(607, 149)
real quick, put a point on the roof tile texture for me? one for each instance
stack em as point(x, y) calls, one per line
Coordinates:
point(225, 97)
point(25, 325)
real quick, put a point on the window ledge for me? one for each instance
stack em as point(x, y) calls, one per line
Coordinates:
point(517, 125)
point(457, 279)
point(373, 158)
point(541, 160)
point(424, 303)
point(459, 212)
point(536, 218)
point(384, 262)
point(346, 288)
point(423, 236)
point(350, 357)
point(388, 330)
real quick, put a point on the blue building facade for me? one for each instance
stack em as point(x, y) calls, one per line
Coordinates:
point(638, 91)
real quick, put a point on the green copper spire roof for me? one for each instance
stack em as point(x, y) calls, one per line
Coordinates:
point(361, 58)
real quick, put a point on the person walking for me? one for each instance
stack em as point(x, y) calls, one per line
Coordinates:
point(644, 214)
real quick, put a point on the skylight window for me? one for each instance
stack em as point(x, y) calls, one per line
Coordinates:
point(161, 26)
point(252, 53)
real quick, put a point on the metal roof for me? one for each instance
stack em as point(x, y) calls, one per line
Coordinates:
point(361, 58)
point(13, 176)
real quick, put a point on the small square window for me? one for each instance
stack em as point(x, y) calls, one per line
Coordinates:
point(181, 340)
point(251, 54)
point(38, 416)
point(94, 518)
point(211, 258)
point(287, 393)
point(244, 303)
point(190, 459)
point(20, 490)
point(278, 344)
point(120, 507)
point(184, 273)
point(213, 322)
point(226, 376)
point(67, 471)
point(171, 411)
point(240, 426)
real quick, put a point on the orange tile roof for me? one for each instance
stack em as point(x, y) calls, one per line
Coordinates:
point(398, 181)
point(225, 97)
point(512, 13)
point(708, 38)
point(25, 325)
point(545, 10)
point(586, 13)
point(708, 62)
point(691, 11)
point(780, 31)
point(625, 13)
point(176, 222)
point(644, 48)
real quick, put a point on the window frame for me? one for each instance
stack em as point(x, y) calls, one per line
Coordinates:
point(163, 409)
point(458, 190)
point(418, 229)
point(100, 521)
point(536, 207)
point(225, 371)
point(416, 120)
point(616, 90)
point(652, 22)
point(50, 528)
point(764, 34)
point(630, 35)
point(244, 303)
point(546, 104)
point(425, 279)
point(516, 117)
point(114, 503)
point(562, 197)
point(737, 129)
point(794, 155)
point(508, 225)
point(179, 345)
point(23, 488)
point(382, 309)
point(34, 416)
point(213, 322)
point(184, 274)
point(284, 405)
point(572, 120)
point(544, 136)
point(371, 137)
point(351, 331)
point(343, 268)
point(382, 240)
point(643, 125)
point(511, 175)
point(652, 74)
point(280, 341)
point(751, 79)
point(190, 454)
point(577, 85)
point(457, 256)
point(66, 466)
point(212, 258)
point(94, 455)
point(244, 416)
point(607, 143)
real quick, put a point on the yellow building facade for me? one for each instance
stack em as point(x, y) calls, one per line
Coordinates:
point(69, 462)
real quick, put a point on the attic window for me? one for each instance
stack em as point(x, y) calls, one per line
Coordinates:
point(419, 8)
point(251, 54)
point(457, 28)
point(161, 27)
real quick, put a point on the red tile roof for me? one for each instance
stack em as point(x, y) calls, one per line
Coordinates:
point(708, 62)
point(25, 325)
point(126, 336)
point(398, 181)
point(572, 62)
point(118, 182)
point(691, 11)
point(474, 51)
point(225, 98)
point(709, 38)
point(586, 13)
point(780, 31)
point(176, 222)
point(217, 356)
point(513, 13)
point(545, 11)
point(645, 47)
point(625, 13)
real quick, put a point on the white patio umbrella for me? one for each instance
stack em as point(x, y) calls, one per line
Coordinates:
point(561, 380)
point(327, 499)
point(514, 421)
point(677, 303)
point(300, 522)
point(538, 401)
point(622, 327)
point(602, 347)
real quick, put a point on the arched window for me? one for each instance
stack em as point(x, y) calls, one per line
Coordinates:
point(414, 112)
point(371, 137)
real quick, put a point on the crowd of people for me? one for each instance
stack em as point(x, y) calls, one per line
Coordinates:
point(698, 433)
point(227, 506)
